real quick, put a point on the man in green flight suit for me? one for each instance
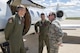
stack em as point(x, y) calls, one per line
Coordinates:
point(42, 31)
point(14, 29)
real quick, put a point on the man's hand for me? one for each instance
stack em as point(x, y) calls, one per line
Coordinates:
point(37, 33)
point(60, 44)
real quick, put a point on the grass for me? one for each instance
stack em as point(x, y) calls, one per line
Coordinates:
point(73, 18)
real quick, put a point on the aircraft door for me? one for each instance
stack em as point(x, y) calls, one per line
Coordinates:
point(27, 22)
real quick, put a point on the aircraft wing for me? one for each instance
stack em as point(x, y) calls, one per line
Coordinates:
point(26, 3)
point(70, 26)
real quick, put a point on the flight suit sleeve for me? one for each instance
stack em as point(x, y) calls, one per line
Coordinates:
point(59, 33)
point(36, 27)
point(9, 28)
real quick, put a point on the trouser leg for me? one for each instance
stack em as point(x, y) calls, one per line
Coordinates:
point(53, 47)
point(40, 45)
point(54, 50)
point(22, 49)
point(47, 44)
point(14, 48)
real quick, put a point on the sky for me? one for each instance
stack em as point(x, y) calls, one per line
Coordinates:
point(70, 7)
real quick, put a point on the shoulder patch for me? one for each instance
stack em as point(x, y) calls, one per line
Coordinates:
point(13, 16)
point(10, 20)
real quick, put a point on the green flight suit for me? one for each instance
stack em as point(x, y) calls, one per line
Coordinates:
point(13, 34)
point(55, 36)
point(43, 37)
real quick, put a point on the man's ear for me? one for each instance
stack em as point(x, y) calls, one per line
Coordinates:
point(47, 16)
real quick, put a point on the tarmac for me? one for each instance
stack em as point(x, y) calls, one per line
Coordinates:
point(71, 41)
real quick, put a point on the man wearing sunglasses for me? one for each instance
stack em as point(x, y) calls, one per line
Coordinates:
point(55, 33)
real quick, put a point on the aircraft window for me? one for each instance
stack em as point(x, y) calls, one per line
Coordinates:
point(38, 13)
point(0, 9)
point(32, 13)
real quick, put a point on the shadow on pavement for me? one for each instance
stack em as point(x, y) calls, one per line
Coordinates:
point(71, 39)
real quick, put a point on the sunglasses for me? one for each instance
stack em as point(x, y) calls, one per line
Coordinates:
point(50, 14)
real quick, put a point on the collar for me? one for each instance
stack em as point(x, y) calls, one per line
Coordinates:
point(20, 18)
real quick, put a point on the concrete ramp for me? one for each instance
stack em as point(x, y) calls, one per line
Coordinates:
point(31, 43)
